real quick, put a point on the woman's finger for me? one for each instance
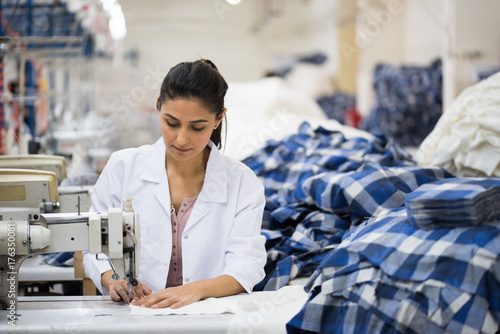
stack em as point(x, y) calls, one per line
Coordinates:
point(147, 291)
point(152, 299)
point(138, 291)
point(167, 303)
point(142, 290)
point(122, 291)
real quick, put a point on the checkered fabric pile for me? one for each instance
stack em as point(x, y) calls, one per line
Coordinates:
point(336, 212)
point(408, 102)
point(387, 276)
point(318, 186)
point(461, 202)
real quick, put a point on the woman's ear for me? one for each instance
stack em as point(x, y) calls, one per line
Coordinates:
point(158, 104)
point(221, 117)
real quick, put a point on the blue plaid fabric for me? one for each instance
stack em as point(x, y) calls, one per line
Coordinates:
point(387, 276)
point(366, 191)
point(283, 165)
point(297, 251)
point(454, 203)
point(319, 185)
point(59, 259)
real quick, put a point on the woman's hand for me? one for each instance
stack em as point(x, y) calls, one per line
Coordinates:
point(172, 297)
point(118, 289)
point(183, 295)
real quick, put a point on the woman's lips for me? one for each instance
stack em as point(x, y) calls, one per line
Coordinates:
point(180, 150)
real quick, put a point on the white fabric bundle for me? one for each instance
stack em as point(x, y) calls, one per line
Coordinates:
point(466, 139)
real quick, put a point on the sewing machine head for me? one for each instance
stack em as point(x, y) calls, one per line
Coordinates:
point(26, 228)
point(39, 162)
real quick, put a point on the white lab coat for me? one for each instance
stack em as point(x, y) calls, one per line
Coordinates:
point(222, 235)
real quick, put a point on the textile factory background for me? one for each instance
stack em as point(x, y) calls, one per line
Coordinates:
point(249, 39)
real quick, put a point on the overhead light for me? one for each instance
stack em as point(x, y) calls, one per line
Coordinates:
point(117, 22)
point(116, 18)
point(233, 2)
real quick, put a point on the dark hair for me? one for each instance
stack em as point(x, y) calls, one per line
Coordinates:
point(196, 80)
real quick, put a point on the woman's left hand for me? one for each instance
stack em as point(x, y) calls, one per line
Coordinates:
point(171, 297)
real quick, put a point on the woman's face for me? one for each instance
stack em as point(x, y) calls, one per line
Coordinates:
point(186, 126)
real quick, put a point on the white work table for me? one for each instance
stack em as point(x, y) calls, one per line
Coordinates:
point(99, 314)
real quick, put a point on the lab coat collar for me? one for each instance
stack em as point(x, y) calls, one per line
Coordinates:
point(155, 163)
point(215, 184)
point(154, 171)
point(214, 187)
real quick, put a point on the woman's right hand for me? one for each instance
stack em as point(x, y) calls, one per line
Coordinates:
point(118, 289)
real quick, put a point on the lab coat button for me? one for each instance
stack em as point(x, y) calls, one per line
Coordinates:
point(165, 263)
point(185, 236)
point(186, 279)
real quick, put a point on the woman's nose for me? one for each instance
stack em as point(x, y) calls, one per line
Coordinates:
point(182, 137)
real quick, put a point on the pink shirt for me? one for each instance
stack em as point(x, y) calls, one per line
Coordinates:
point(179, 221)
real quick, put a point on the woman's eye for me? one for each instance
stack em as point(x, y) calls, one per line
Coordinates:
point(198, 129)
point(172, 125)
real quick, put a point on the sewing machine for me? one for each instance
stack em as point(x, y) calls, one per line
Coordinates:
point(69, 196)
point(27, 227)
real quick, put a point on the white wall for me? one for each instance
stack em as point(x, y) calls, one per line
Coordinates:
point(424, 32)
point(299, 28)
point(477, 28)
point(173, 31)
point(381, 27)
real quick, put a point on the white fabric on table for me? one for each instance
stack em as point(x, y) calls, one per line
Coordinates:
point(267, 312)
point(206, 306)
point(258, 312)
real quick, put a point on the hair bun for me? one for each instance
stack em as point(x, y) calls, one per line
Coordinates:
point(209, 62)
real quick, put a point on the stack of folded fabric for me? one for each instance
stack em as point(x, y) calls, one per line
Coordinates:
point(455, 202)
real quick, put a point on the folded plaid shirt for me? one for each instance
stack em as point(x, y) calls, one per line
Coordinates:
point(454, 203)
point(390, 277)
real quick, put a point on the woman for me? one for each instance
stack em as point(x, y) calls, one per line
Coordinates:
point(200, 212)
